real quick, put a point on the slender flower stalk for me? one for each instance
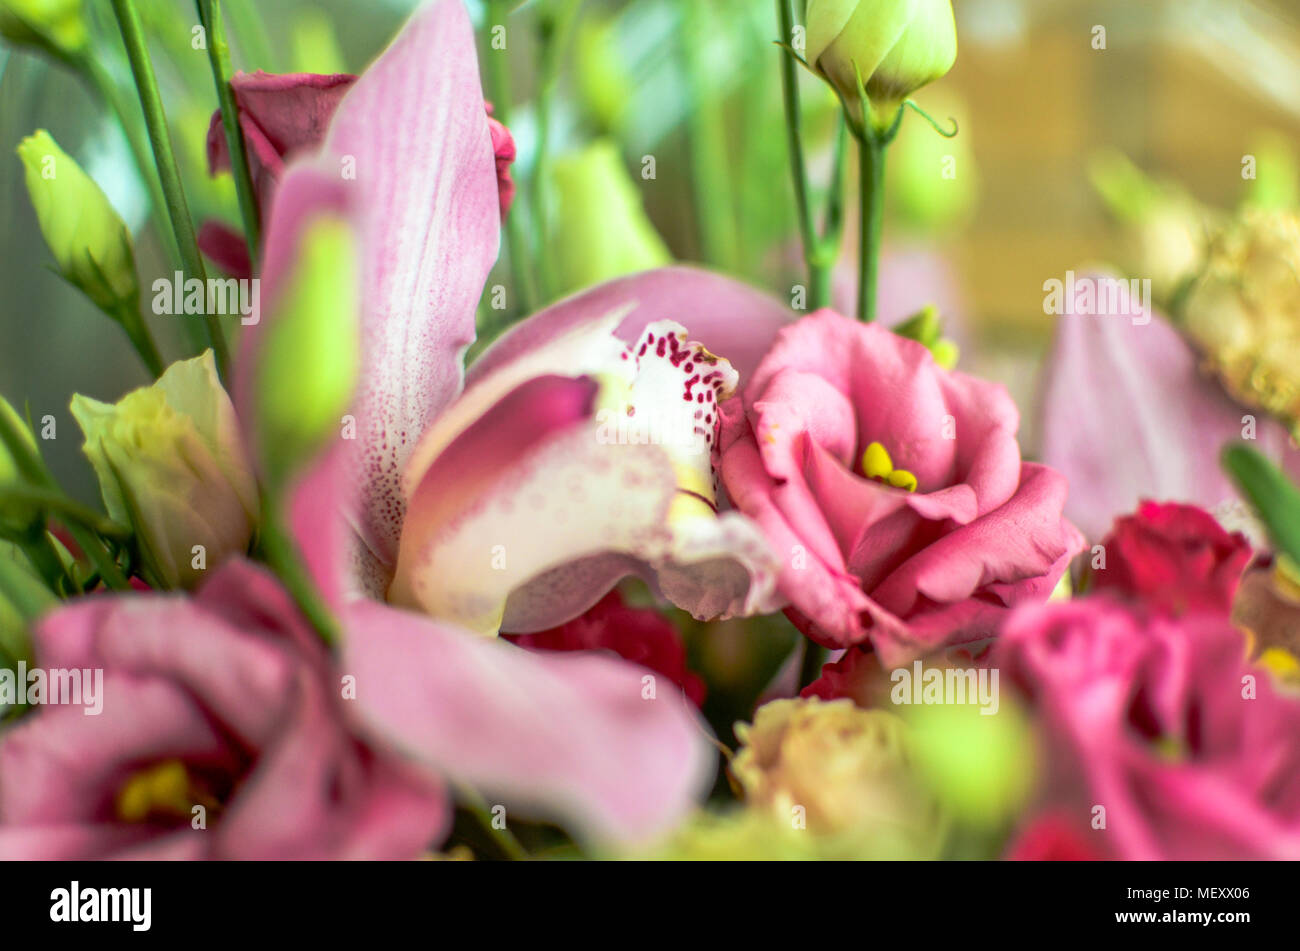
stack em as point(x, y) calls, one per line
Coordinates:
point(128, 315)
point(477, 806)
point(279, 552)
point(219, 57)
point(107, 90)
point(819, 250)
point(871, 183)
point(178, 211)
point(498, 83)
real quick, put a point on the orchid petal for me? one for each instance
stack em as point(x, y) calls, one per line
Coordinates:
point(413, 131)
point(577, 738)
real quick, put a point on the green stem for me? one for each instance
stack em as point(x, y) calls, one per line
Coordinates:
point(31, 467)
point(707, 132)
point(498, 87)
point(44, 557)
point(871, 178)
point(64, 507)
point(129, 317)
point(818, 276)
point(504, 838)
point(219, 58)
point(155, 120)
point(109, 92)
point(282, 555)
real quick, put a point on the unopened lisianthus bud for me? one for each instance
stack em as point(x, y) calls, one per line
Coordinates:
point(89, 240)
point(894, 46)
point(307, 360)
point(56, 26)
point(845, 771)
point(171, 463)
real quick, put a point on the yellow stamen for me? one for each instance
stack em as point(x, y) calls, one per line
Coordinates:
point(902, 479)
point(876, 463)
point(163, 789)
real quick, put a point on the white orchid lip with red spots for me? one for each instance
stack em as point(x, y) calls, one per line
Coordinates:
point(578, 462)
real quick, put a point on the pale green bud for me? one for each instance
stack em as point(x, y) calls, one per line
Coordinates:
point(171, 463)
point(601, 230)
point(307, 362)
point(88, 239)
point(894, 46)
point(56, 26)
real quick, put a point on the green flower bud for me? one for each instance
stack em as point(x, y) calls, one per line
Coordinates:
point(601, 230)
point(307, 363)
point(171, 464)
point(56, 26)
point(926, 328)
point(894, 46)
point(90, 242)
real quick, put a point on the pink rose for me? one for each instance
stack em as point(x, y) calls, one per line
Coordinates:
point(1173, 558)
point(1161, 722)
point(224, 701)
point(892, 490)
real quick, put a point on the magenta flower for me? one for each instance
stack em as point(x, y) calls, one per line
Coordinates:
point(222, 735)
point(1174, 558)
point(1127, 415)
point(1189, 752)
point(893, 490)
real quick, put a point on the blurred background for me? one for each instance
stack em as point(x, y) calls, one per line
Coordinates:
point(653, 130)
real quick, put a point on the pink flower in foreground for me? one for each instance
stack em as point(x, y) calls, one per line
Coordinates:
point(640, 635)
point(892, 489)
point(1174, 558)
point(226, 702)
point(1191, 753)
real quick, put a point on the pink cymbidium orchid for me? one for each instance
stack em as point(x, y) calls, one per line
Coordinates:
point(516, 501)
point(532, 464)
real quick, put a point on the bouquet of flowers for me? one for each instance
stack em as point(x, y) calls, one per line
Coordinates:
point(460, 521)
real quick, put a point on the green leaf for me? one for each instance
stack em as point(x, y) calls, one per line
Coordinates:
point(1274, 497)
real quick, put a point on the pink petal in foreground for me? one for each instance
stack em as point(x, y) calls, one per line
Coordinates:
point(604, 747)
